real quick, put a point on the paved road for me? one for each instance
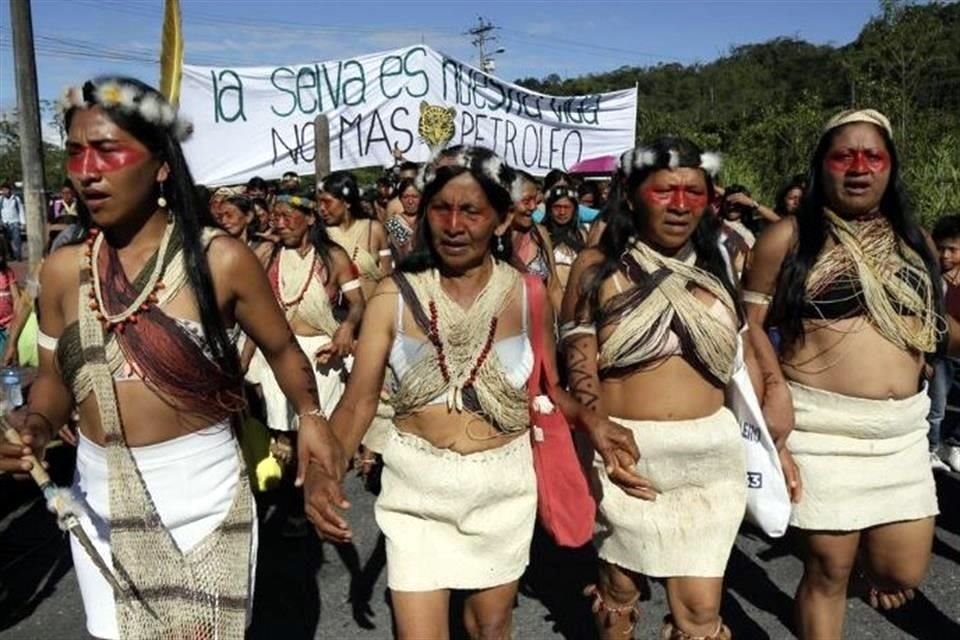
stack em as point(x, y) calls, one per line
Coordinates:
point(306, 590)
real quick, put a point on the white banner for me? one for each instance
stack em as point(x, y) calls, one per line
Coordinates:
point(258, 121)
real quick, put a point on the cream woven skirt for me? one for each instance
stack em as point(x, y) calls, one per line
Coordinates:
point(456, 521)
point(330, 384)
point(698, 467)
point(862, 462)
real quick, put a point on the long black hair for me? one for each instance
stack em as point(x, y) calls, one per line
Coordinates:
point(342, 185)
point(570, 233)
point(245, 206)
point(812, 231)
point(181, 195)
point(780, 202)
point(626, 215)
point(317, 232)
point(495, 179)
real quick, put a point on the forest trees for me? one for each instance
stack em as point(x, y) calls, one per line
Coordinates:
point(763, 104)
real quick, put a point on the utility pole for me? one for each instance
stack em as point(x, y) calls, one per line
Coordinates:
point(481, 35)
point(28, 117)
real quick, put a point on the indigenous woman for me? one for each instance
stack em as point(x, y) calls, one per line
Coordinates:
point(402, 227)
point(364, 240)
point(530, 242)
point(789, 196)
point(650, 311)
point(135, 333)
point(852, 286)
point(459, 495)
point(563, 225)
point(309, 275)
point(238, 218)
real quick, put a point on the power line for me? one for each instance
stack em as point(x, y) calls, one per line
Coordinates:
point(480, 36)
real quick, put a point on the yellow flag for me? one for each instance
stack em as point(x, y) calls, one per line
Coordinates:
point(171, 52)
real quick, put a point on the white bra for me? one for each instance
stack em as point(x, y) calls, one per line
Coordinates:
point(514, 353)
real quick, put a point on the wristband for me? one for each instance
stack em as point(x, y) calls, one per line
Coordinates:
point(350, 286)
point(313, 412)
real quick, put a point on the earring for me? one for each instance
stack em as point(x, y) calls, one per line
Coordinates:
point(161, 201)
point(499, 244)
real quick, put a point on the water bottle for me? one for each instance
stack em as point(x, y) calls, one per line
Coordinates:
point(10, 379)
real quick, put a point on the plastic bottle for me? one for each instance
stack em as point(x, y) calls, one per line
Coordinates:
point(12, 391)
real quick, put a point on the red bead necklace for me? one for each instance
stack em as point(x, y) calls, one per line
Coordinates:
point(142, 303)
point(434, 337)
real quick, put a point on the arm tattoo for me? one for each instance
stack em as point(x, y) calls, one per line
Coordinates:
point(582, 378)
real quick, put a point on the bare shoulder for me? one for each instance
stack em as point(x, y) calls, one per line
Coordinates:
point(589, 257)
point(225, 253)
point(377, 230)
point(60, 269)
point(338, 256)
point(386, 288)
point(778, 238)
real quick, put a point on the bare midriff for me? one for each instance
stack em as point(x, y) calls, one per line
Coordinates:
point(147, 419)
point(668, 390)
point(851, 358)
point(462, 433)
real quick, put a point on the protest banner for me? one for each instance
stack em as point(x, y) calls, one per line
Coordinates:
point(258, 121)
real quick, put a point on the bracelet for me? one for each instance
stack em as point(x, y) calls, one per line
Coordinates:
point(313, 412)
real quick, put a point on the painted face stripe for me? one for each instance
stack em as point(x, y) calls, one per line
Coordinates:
point(843, 161)
point(90, 160)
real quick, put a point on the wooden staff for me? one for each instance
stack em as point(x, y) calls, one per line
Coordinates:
point(65, 515)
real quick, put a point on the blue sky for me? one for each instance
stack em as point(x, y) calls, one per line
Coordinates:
point(540, 38)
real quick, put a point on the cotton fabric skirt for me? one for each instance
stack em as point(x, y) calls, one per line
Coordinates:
point(456, 521)
point(281, 415)
point(698, 466)
point(862, 462)
point(192, 481)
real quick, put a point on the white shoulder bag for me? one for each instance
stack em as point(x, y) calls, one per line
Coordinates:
point(768, 501)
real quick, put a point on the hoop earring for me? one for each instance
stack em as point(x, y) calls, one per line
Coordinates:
point(161, 201)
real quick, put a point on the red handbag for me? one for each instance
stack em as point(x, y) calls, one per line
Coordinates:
point(564, 503)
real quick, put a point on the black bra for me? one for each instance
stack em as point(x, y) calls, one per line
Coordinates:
point(842, 299)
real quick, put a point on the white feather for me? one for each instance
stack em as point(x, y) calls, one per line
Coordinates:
point(674, 159)
point(167, 114)
point(128, 96)
point(182, 129)
point(711, 162)
point(150, 108)
point(516, 189)
point(492, 167)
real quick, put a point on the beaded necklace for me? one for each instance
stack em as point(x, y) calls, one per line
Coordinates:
point(148, 295)
point(287, 303)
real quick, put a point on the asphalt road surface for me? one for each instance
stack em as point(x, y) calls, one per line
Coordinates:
point(306, 590)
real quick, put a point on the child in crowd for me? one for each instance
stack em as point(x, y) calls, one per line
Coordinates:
point(9, 305)
point(943, 436)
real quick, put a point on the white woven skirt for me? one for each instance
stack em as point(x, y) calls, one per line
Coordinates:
point(192, 481)
point(698, 466)
point(862, 462)
point(456, 521)
point(281, 415)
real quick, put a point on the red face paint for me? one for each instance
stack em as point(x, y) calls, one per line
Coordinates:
point(87, 160)
point(844, 161)
point(674, 197)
